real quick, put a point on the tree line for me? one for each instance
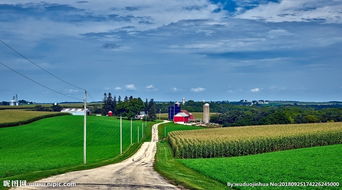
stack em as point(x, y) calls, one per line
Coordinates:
point(225, 106)
point(128, 107)
point(277, 115)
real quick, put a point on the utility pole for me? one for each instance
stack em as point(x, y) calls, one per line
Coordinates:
point(85, 129)
point(120, 134)
point(165, 131)
point(138, 132)
point(142, 130)
point(131, 131)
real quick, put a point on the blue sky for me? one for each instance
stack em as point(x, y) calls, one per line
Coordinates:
point(198, 49)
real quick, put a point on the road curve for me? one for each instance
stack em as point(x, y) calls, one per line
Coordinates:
point(135, 172)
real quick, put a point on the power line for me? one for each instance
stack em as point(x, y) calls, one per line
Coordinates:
point(30, 61)
point(36, 82)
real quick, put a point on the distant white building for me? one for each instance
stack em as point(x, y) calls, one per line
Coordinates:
point(14, 101)
point(141, 115)
point(74, 111)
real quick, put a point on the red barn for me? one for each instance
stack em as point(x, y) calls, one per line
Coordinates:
point(110, 113)
point(191, 117)
point(181, 117)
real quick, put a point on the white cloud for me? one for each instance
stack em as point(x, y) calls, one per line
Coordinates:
point(118, 88)
point(175, 89)
point(112, 15)
point(130, 87)
point(297, 11)
point(199, 89)
point(276, 33)
point(150, 86)
point(255, 90)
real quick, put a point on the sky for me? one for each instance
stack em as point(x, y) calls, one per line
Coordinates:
point(170, 49)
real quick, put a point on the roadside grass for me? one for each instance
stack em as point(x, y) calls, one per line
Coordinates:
point(179, 174)
point(175, 171)
point(55, 145)
point(165, 129)
point(19, 117)
point(316, 164)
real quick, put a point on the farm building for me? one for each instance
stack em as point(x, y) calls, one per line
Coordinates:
point(141, 115)
point(75, 111)
point(183, 117)
point(14, 101)
point(173, 110)
point(110, 113)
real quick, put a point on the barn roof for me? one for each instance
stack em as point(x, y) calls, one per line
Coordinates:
point(181, 114)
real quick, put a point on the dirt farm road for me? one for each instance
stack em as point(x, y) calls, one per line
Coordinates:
point(135, 172)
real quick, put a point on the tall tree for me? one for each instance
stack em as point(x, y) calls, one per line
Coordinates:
point(114, 105)
point(146, 108)
point(104, 112)
point(110, 103)
point(152, 110)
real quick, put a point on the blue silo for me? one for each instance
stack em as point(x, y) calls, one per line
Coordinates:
point(173, 110)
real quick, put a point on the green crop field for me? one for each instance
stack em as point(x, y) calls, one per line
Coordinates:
point(17, 117)
point(316, 164)
point(237, 141)
point(165, 129)
point(56, 144)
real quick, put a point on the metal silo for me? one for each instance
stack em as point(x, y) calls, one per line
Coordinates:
point(173, 110)
point(206, 113)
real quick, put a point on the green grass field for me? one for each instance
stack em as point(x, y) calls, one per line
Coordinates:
point(57, 142)
point(165, 129)
point(179, 174)
point(20, 116)
point(316, 164)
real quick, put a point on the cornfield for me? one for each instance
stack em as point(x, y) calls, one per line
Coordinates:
point(237, 141)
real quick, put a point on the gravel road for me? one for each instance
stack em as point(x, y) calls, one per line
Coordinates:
point(134, 173)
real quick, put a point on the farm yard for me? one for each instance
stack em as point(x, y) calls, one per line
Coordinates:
point(197, 115)
point(238, 141)
point(55, 145)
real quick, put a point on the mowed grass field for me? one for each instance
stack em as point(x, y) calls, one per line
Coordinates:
point(17, 116)
point(237, 141)
point(49, 144)
point(316, 164)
